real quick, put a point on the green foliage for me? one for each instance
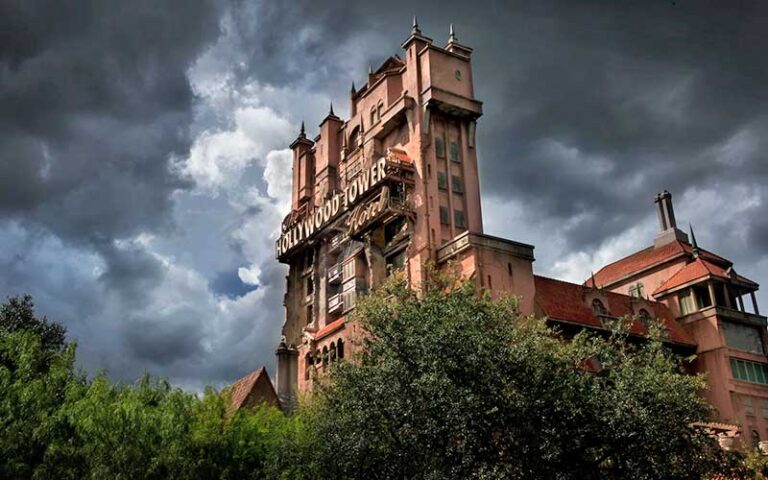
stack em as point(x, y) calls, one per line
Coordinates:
point(453, 385)
point(449, 385)
point(18, 314)
point(56, 424)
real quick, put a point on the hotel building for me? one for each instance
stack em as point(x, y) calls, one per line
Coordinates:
point(395, 187)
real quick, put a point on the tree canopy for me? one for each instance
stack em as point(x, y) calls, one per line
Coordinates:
point(451, 384)
point(448, 384)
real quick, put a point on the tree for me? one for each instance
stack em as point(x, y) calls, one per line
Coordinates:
point(450, 384)
point(18, 314)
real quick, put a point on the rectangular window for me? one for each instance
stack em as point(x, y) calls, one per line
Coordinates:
point(310, 285)
point(456, 184)
point(458, 219)
point(439, 147)
point(764, 404)
point(686, 302)
point(747, 371)
point(442, 181)
point(444, 218)
point(454, 152)
point(310, 315)
point(743, 337)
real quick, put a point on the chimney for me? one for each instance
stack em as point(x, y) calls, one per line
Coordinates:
point(668, 231)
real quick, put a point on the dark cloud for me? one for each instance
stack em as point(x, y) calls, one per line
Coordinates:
point(590, 108)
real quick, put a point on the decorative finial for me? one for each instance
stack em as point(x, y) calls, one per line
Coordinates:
point(693, 241)
point(594, 282)
point(415, 29)
point(330, 113)
point(370, 69)
point(301, 133)
point(354, 90)
point(452, 36)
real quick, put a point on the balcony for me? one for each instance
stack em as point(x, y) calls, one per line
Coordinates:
point(337, 241)
point(334, 274)
point(335, 303)
point(739, 316)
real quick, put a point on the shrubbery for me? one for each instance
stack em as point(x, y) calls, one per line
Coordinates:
point(449, 385)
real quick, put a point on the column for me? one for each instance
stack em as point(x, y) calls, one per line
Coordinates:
point(741, 303)
point(712, 296)
point(754, 302)
point(727, 292)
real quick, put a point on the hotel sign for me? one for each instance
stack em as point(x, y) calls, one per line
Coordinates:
point(306, 227)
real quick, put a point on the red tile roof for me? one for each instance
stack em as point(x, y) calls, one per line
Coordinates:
point(696, 270)
point(566, 302)
point(243, 387)
point(330, 328)
point(647, 258)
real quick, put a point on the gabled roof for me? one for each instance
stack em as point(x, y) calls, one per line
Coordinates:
point(648, 258)
point(700, 269)
point(242, 389)
point(566, 302)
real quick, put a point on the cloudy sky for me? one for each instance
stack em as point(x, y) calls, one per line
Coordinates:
point(143, 161)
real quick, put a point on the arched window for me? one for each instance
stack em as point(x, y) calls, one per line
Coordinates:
point(333, 352)
point(340, 349)
point(373, 115)
point(755, 436)
point(355, 138)
point(325, 356)
point(644, 317)
point(379, 110)
point(598, 307)
point(318, 358)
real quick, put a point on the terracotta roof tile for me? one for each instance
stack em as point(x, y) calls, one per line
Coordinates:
point(649, 257)
point(243, 387)
point(696, 270)
point(564, 301)
point(330, 328)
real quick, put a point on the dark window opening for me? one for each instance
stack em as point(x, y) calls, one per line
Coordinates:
point(645, 317)
point(340, 349)
point(439, 147)
point(598, 307)
point(310, 312)
point(454, 152)
point(509, 269)
point(442, 181)
point(458, 219)
point(702, 296)
point(456, 184)
point(445, 218)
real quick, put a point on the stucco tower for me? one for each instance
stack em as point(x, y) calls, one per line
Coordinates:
point(392, 188)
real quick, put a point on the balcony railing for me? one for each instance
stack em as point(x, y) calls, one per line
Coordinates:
point(334, 274)
point(335, 303)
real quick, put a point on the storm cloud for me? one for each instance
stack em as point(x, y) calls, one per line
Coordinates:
point(143, 168)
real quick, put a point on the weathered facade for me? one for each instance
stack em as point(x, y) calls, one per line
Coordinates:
point(395, 188)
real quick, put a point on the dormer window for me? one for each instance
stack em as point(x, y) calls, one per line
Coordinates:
point(598, 307)
point(644, 317)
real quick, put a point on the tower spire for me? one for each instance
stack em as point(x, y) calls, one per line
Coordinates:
point(694, 244)
point(330, 113)
point(353, 90)
point(302, 133)
point(415, 28)
point(452, 36)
